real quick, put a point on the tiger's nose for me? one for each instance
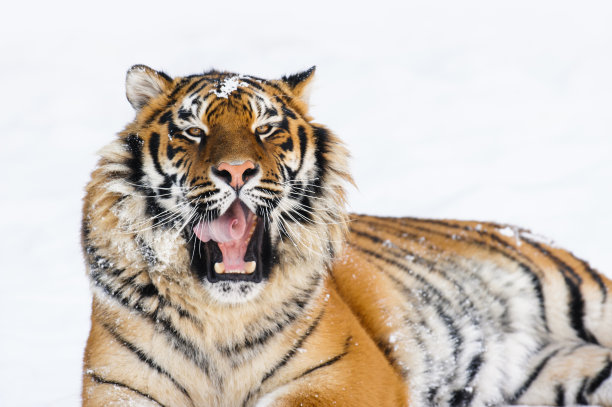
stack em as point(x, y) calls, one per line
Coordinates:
point(236, 175)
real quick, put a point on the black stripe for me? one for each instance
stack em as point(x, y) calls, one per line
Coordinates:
point(143, 357)
point(270, 112)
point(267, 190)
point(303, 142)
point(209, 109)
point(264, 336)
point(329, 362)
point(188, 349)
point(173, 129)
point(289, 355)
point(168, 180)
point(202, 185)
point(193, 85)
point(180, 136)
point(212, 110)
point(461, 398)
point(154, 211)
point(287, 145)
point(134, 145)
point(171, 151)
point(559, 395)
point(184, 114)
point(154, 151)
point(207, 81)
point(166, 117)
point(205, 195)
point(564, 267)
point(325, 364)
point(178, 87)
point(287, 111)
point(601, 377)
point(169, 102)
point(101, 380)
point(580, 396)
point(474, 366)
point(572, 281)
point(252, 82)
point(322, 148)
point(117, 292)
point(387, 351)
point(597, 277)
point(183, 313)
point(112, 292)
point(275, 86)
point(152, 117)
point(431, 394)
point(532, 377)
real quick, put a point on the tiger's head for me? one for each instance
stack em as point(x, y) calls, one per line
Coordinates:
point(233, 167)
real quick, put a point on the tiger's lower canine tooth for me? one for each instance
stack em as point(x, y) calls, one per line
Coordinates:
point(219, 268)
point(249, 267)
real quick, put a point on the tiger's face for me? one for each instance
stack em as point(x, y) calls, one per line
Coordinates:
point(233, 165)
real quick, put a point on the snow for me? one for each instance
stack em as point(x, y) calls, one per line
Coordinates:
point(228, 85)
point(507, 231)
point(496, 111)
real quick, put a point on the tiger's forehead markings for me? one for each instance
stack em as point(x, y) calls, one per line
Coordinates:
point(228, 85)
point(192, 106)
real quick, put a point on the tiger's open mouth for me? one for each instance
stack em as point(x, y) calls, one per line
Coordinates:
point(229, 247)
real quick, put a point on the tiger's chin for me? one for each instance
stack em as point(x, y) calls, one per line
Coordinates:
point(233, 292)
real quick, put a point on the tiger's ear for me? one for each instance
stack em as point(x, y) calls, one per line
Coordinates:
point(143, 83)
point(299, 83)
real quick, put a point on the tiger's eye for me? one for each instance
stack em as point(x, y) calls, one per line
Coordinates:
point(263, 129)
point(195, 132)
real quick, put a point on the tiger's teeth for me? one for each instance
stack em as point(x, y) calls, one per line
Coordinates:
point(249, 267)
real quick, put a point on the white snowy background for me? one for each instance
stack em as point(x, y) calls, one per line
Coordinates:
point(489, 110)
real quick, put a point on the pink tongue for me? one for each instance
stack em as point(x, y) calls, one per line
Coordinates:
point(229, 231)
point(228, 227)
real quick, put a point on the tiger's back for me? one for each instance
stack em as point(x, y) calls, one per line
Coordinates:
point(479, 313)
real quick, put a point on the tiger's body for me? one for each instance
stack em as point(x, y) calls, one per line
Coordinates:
point(497, 314)
point(226, 272)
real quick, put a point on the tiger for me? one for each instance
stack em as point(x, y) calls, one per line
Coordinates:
point(226, 270)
